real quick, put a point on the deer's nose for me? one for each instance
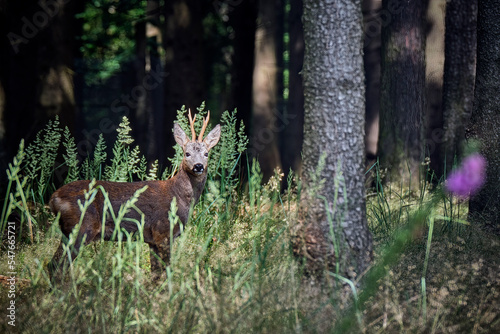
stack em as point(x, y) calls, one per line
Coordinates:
point(198, 168)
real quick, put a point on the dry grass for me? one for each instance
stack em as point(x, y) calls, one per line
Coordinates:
point(463, 282)
point(234, 272)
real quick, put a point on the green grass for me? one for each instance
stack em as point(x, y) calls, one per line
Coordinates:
point(233, 269)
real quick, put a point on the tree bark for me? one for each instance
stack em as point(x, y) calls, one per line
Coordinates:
point(459, 74)
point(243, 19)
point(265, 135)
point(402, 89)
point(485, 120)
point(292, 118)
point(37, 57)
point(371, 58)
point(138, 114)
point(434, 69)
point(183, 45)
point(156, 148)
point(332, 227)
point(147, 113)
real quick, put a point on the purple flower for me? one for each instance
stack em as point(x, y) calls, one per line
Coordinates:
point(469, 178)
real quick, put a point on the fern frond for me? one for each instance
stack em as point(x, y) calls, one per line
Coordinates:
point(123, 130)
point(153, 171)
point(71, 157)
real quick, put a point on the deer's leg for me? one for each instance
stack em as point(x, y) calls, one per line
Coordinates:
point(57, 260)
point(88, 231)
point(160, 259)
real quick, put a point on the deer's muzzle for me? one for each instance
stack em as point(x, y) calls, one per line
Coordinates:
point(198, 169)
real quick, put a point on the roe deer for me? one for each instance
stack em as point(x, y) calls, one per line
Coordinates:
point(186, 186)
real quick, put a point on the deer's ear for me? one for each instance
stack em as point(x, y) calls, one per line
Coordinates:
point(180, 136)
point(213, 137)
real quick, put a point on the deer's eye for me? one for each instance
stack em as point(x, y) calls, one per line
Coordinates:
point(188, 154)
point(206, 154)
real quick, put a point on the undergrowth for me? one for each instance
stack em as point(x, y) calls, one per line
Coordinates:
point(232, 268)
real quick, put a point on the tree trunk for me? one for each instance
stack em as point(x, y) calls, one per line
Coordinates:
point(332, 227)
point(434, 69)
point(146, 114)
point(371, 58)
point(243, 19)
point(183, 45)
point(459, 72)
point(402, 89)
point(292, 118)
point(265, 133)
point(485, 120)
point(138, 114)
point(37, 59)
point(156, 141)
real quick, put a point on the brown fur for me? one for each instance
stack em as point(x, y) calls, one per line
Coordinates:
point(186, 186)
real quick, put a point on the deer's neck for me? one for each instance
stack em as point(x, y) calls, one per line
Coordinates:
point(195, 183)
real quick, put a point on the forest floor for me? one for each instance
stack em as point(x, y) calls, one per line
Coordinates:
point(248, 281)
point(463, 287)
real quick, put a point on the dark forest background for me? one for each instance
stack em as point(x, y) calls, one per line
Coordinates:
point(92, 62)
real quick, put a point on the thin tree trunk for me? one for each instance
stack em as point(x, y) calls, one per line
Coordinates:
point(402, 90)
point(371, 58)
point(156, 149)
point(485, 120)
point(434, 69)
point(332, 227)
point(37, 57)
point(292, 118)
point(243, 19)
point(183, 45)
point(146, 115)
point(265, 134)
point(459, 73)
point(138, 115)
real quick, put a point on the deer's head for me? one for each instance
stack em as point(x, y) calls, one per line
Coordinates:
point(196, 150)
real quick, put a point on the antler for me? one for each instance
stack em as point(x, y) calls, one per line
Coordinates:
point(191, 122)
point(205, 123)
